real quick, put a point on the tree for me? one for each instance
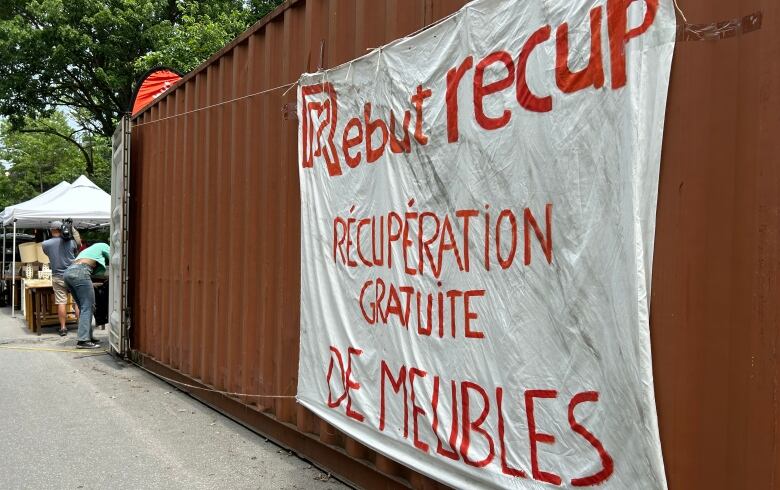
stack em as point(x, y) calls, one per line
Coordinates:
point(36, 161)
point(86, 54)
point(74, 53)
point(201, 30)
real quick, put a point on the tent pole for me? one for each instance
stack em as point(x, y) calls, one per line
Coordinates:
point(2, 274)
point(13, 281)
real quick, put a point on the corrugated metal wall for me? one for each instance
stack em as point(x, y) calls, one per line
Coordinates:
point(715, 314)
point(216, 209)
point(215, 237)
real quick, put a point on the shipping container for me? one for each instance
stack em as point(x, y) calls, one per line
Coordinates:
point(214, 246)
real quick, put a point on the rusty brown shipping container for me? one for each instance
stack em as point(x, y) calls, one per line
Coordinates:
point(215, 246)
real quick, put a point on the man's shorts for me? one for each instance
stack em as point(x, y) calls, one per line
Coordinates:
point(60, 291)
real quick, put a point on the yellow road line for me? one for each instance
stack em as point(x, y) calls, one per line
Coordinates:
point(46, 349)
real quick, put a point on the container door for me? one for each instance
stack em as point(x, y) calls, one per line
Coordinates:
point(118, 319)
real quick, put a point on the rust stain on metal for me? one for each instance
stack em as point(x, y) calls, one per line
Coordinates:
point(289, 111)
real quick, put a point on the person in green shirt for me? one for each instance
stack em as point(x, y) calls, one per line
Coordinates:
point(92, 261)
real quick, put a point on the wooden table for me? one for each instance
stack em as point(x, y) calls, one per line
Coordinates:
point(40, 309)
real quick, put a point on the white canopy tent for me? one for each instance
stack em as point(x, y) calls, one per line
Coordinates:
point(7, 215)
point(82, 201)
point(85, 203)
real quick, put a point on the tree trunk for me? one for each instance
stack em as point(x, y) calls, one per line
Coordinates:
point(90, 167)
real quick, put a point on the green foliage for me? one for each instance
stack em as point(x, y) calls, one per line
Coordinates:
point(201, 30)
point(36, 161)
point(95, 235)
point(85, 55)
point(74, 53)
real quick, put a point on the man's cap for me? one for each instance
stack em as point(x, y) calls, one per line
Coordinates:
point(56, 225)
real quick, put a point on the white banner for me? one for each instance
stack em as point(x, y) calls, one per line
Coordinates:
point(478, 211)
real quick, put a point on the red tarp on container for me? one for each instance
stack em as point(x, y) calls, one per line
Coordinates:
point(152, 85)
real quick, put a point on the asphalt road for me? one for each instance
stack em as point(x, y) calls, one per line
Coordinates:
point(80, 420)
